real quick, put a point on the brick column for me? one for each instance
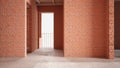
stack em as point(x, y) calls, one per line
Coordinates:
point(111, 29)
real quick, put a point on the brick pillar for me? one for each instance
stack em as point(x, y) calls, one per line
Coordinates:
point(111, 29)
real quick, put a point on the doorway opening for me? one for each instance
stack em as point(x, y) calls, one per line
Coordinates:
point(47, 21)
point(117, 28)
point(51, 30)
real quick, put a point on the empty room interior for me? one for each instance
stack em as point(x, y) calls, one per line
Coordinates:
point(50, 27)
point(59, 33)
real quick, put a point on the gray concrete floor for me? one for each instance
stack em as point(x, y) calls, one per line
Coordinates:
point(48, 58)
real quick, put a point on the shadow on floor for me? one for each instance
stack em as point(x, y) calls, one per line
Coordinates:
point(48, 52)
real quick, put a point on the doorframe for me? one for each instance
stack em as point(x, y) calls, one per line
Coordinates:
point(40, 26)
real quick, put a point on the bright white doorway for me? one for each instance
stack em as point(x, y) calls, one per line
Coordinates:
point(47, 20)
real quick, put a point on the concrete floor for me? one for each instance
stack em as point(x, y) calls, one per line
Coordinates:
point(54, 59)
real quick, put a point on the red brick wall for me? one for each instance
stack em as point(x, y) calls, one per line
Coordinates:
point(33, 26)
point(85, 28)
point(28, 30)
point(58, 23)
point(117, 24)
point(12, 28)
point(110, 25)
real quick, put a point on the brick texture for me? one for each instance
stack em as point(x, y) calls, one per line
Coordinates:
point(33, 26)
point(88, 28)
point(12, 28)
point(111, 29)
point(85, 28)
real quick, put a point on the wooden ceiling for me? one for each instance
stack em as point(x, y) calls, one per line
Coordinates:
point(49, 2)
